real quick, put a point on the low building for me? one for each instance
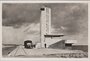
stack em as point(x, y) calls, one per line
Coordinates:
point(52, 39)
point(55, 41)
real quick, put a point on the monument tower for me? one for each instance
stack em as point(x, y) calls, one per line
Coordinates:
point(45, 23)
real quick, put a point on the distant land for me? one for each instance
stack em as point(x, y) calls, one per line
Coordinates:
point(74, 47)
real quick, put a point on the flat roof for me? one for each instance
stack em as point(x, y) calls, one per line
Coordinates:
point(53, 35)
point(71, 41)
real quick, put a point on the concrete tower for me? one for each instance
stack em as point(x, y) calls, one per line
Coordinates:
point(45, 23)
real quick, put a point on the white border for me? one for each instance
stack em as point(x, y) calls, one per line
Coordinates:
point(44, 59)
point(88, 30)
point(0, 30)
point(44, 1)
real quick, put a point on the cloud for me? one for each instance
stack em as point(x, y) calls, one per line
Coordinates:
point(70, 19)
point(11, 35)
point(17, 14)
point(71, 16)
point(18, 35)
point(32, 28)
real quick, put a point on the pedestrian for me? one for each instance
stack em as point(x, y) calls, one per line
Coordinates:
point(45, 45)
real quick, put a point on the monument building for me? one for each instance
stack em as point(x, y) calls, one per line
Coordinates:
point(47, 38)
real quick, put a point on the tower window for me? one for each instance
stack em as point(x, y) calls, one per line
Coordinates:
point(42, 9)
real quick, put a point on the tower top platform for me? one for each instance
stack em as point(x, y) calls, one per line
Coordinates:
point(43, 8)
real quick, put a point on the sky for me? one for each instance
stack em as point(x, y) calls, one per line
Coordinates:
point(21, 21)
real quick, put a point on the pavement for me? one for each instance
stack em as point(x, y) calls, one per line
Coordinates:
point(21, 51)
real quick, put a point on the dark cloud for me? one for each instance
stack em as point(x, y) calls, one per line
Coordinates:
point(73, 16)
point(17, 14)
